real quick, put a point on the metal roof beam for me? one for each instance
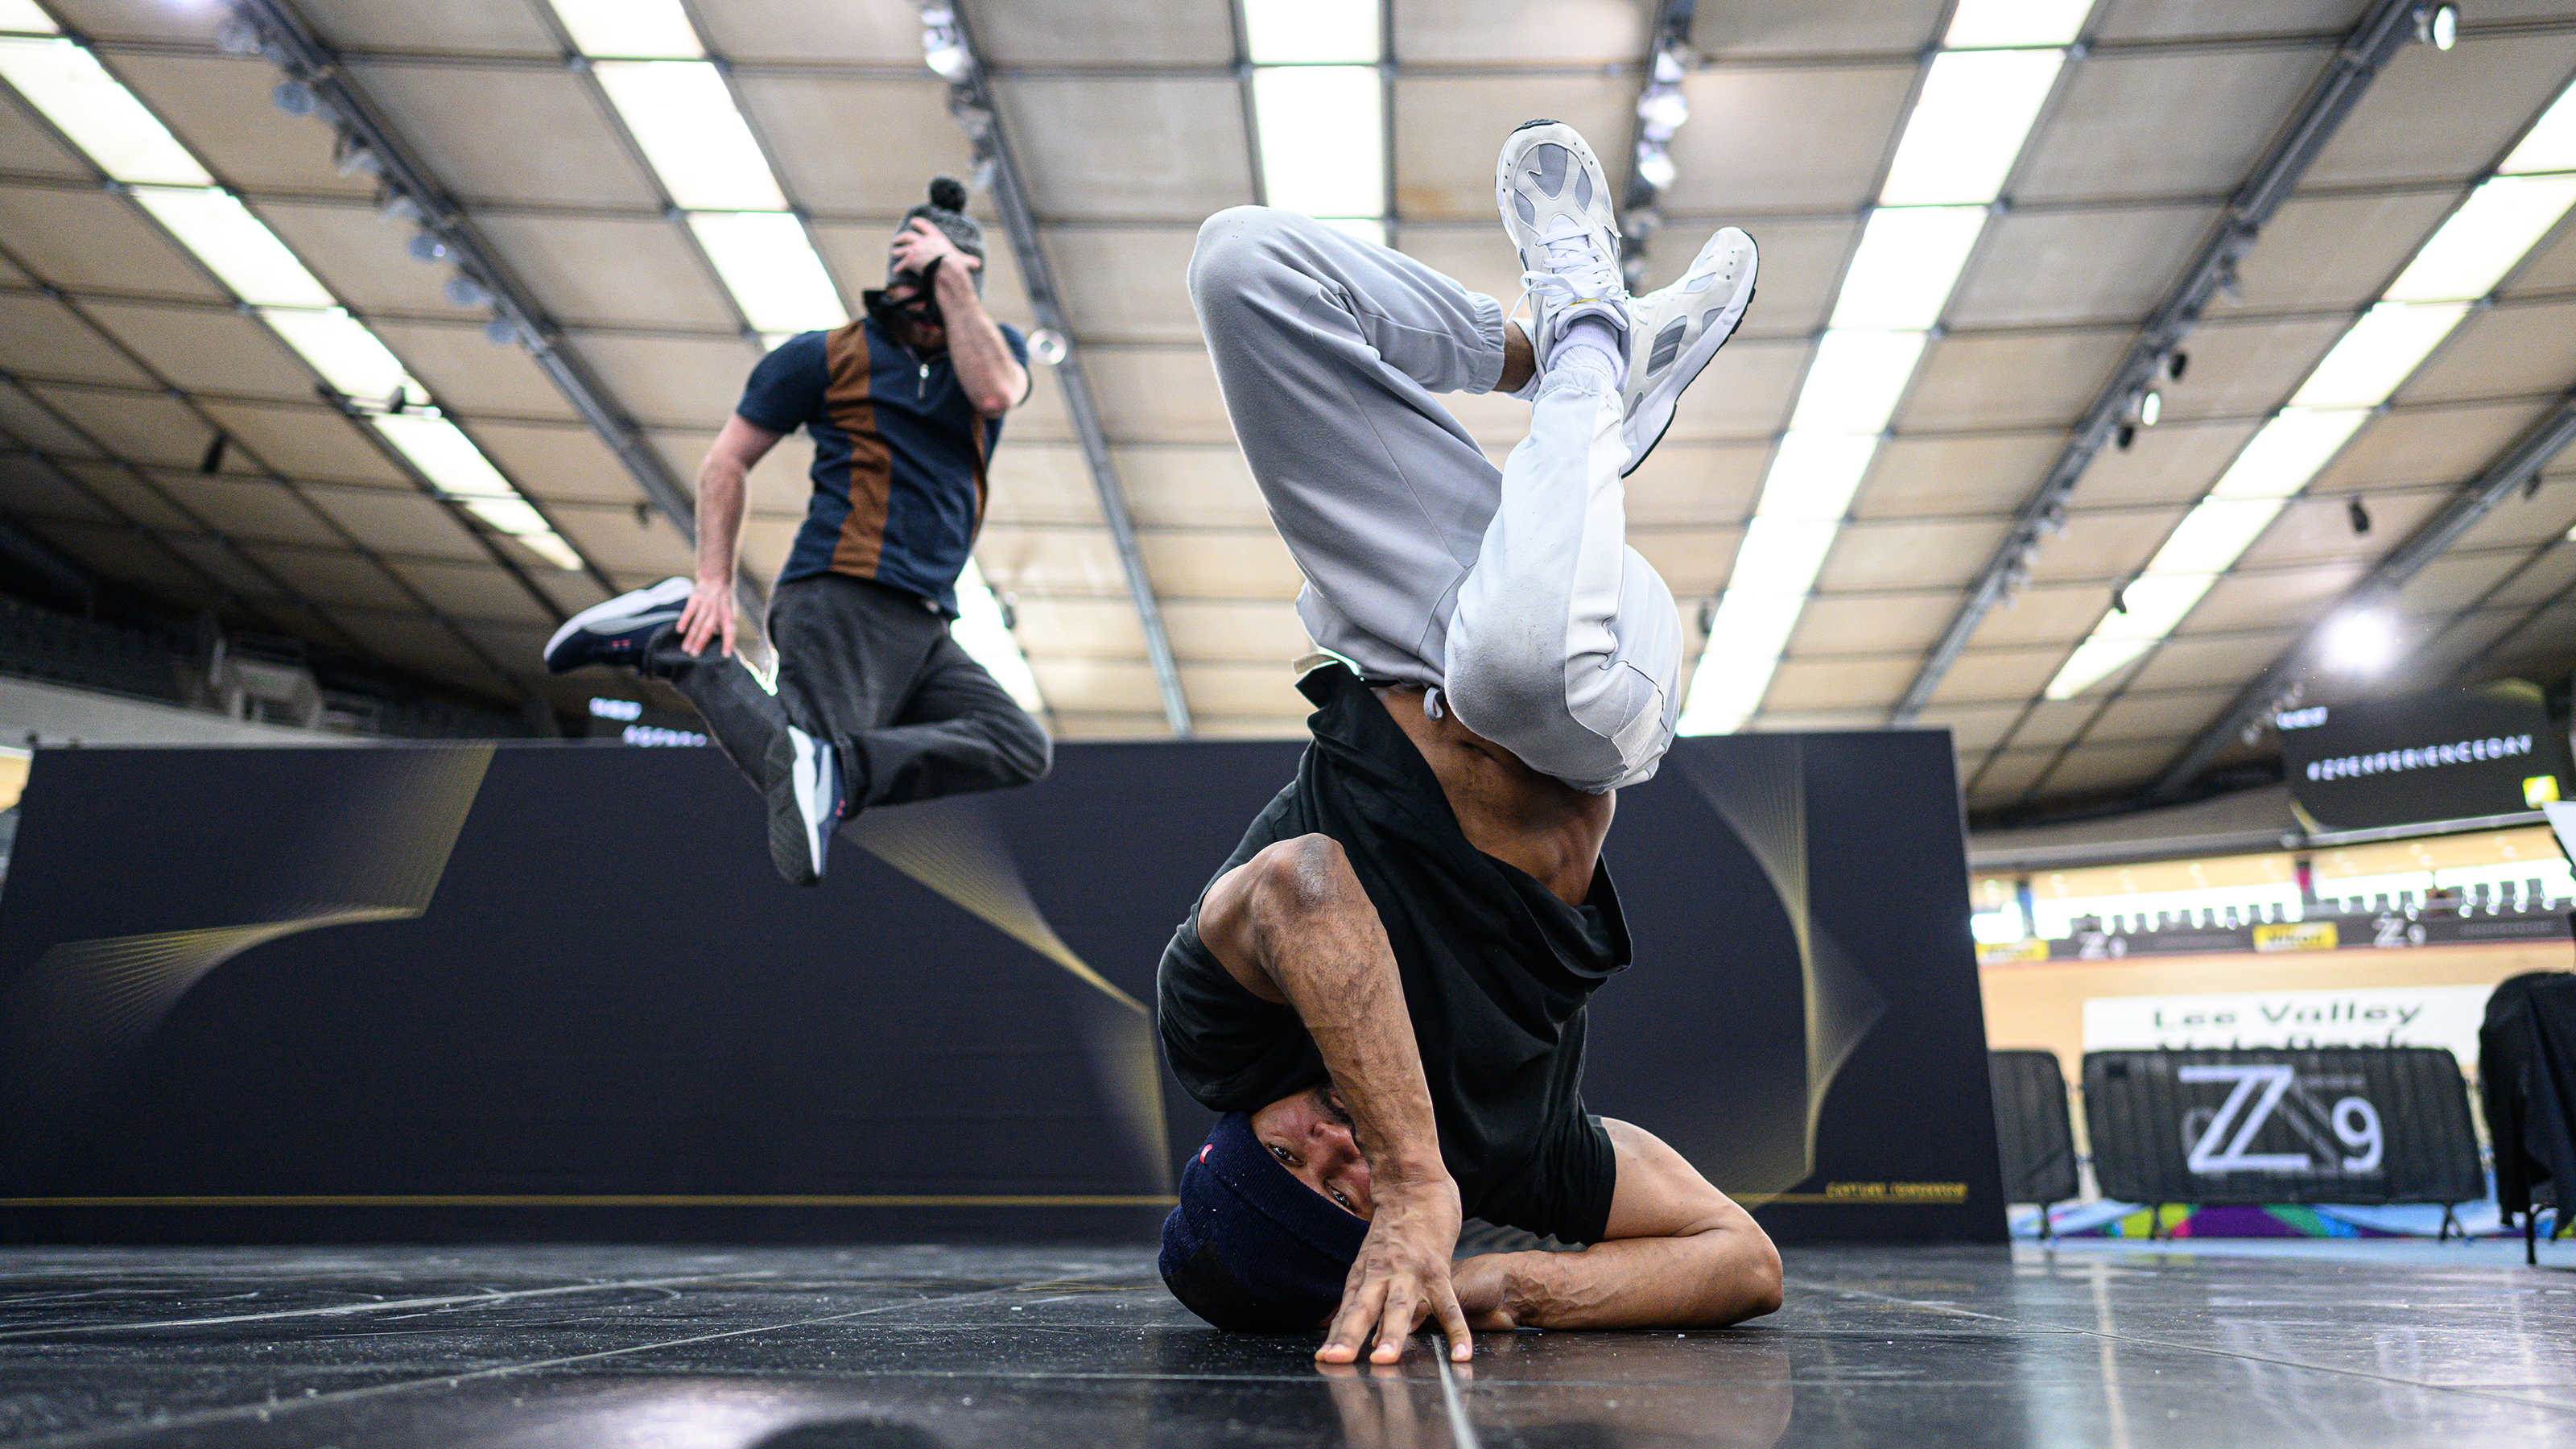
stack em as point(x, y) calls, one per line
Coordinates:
point(294, 47)
point(2389, 25)
point(971, 101)
point(2514, 468)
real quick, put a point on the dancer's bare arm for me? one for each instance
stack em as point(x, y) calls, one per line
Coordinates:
point(1293, 925)
point(1678, 1254)
point(721, 490)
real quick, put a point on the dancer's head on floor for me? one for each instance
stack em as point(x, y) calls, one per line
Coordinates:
point(1272, 1213)
point(908, 304)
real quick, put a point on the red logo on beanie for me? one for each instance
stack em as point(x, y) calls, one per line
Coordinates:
point(1204, 1151)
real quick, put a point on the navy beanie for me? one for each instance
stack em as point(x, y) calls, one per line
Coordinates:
point(1251, 1248)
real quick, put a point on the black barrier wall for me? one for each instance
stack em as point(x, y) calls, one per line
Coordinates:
point(2264, 1125)
point(553, 991)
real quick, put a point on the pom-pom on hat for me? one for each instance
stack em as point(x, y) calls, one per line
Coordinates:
point(1251, 1248)
point(946, 210)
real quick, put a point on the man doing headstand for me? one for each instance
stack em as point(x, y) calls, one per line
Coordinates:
point(1384, 988)
point(875, 704)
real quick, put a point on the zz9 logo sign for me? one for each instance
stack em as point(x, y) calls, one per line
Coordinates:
point(2343, 1140)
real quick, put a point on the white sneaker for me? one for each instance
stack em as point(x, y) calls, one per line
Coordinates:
point(1556, 206)
point(1674, 332)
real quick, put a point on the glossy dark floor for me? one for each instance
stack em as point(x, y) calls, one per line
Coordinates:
point(800, 1349)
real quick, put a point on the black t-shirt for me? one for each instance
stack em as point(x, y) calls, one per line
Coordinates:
point(1496, 972)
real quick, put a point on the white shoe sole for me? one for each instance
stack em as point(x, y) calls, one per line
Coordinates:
point(670, 591)
point(1655, 406)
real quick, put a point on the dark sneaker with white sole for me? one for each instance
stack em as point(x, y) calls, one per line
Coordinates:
point(1672, 334)
point(619, 630)
point(804, 803)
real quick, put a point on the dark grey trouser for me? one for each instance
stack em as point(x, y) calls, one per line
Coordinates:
point(913, 715)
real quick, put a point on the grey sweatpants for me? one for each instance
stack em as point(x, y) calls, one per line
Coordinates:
point(1513, 591)
point(867, 667)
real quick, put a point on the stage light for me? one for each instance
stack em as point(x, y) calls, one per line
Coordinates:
point(2360, 641)
point(464, 291)
point(1047, 347)
point(235, 245)
point(2355, 510)
point(2176, 364)
point(66, 83)
point(295, 98)
point(684, 120)
point(771, 269)
point(1664, 110)
point(2438, 25)
point(425, 248)
point(2151, 408)
point(1655, 166)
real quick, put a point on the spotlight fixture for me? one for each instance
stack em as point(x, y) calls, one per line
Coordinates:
point(464, 291)
point(2120, 597)
point(1047, 347)
point(2126, 436)
point(943, 48)
point(425, 247)
point(2176, 364)
point(2151, 408)
point(2358, 513)
point(2438, 25)
point(500, 332)
point(1654, 166)
point(2360, 642)
point(294, 97)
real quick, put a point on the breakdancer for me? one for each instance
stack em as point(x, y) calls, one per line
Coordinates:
point(875, 704)
point(1383, 988)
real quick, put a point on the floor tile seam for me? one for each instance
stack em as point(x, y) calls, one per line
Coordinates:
point(2367, 1377)
point(109, 1433)
point(343, 1309)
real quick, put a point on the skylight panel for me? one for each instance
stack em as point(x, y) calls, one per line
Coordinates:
point(2484, 239)
point(68, 85)
point(235, 245)
point(1908, 262)
point(2378, 353)
point(1323, 143)
point(770, 266)
point(1968, 125)
point(349, 357)
point(630, 29)
point(1310, 32)
point(685, 121)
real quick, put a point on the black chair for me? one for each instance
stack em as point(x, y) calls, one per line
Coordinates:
point(2032, 1129)
point(2527, 1082)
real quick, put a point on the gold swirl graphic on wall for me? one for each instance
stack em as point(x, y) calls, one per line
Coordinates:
point(377, 854)
point(1757, 784)
point(956, 848)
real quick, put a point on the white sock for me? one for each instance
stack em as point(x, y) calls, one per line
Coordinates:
point(1592, 342)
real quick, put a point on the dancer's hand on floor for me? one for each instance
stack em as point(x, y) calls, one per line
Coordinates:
point(710, 613)
point(1401, 1276)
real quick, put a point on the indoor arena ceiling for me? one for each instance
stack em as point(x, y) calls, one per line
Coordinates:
point(123, 356)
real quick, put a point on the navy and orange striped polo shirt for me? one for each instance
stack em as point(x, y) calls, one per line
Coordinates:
point(899, 456)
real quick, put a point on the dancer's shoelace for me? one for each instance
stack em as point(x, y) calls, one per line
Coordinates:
point(1585, 275)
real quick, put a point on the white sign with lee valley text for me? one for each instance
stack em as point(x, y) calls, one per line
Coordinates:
point(2442, 1016)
